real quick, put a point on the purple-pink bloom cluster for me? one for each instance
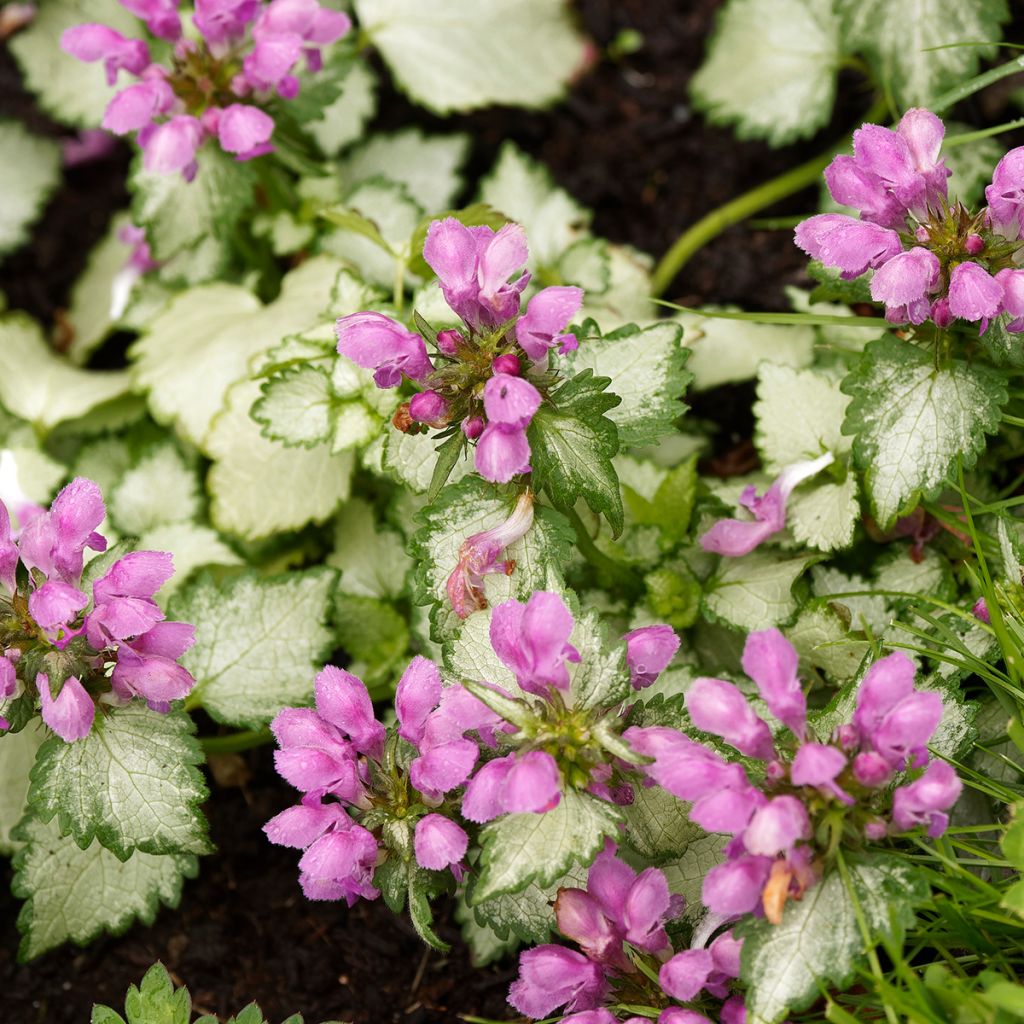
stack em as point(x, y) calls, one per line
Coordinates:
point(932, 259)
point(618, 909)
point(772, 855)
point(479, 375)
point(113, 636)
point(215, 87)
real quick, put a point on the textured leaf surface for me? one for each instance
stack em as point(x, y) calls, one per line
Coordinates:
point(161, 488)
point(912, 420)
point(76, 894)
point(755, 591)
point(522, 848)
point(41, 387)
point(818, 941)
point(657, 824)
point(132, 783)
point(647, 372)
point(529, 913)
point(259, 641)
point(343, 120)
point(29, 172)
point(294, 407)
point(911, 43)
point(372, 561)
point(461, 54)
point(771, 68)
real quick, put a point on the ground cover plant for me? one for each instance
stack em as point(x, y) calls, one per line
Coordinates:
point(642, 660)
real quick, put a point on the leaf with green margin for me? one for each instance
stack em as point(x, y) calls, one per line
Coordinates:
point(485, 945)
point(913, 47)
point(259, 641)
point(191, 545)
point(77, 894)
point(912, 421)
point(459, 54)
point(179, 215)
point(156, 1001)
point(771, 68)
point(259, 487)
point(522, 848)
point(17, 755)
point(658, 824)
point(29, 172)
point(372, 560)
point(685, 875)
point(39, 386)
point(344, 120)
point(572, 443)
point(818, 942)
point(160, 488)
point(132, 783)
point(463, 510)
point(374, 633)
point(822, 639)
point(69, 90)
point(411, 459)
point(600, 679)
point(755, 591)
point(824, 515)
point(647, 370)
point(294, 407)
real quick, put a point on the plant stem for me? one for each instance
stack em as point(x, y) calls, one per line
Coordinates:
point(713, 224)
point(620, 576)
point(235, 741)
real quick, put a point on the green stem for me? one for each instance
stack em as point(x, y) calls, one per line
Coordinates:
point(713, 224)
point(235, 741)
point(618, 575)
point(982, 81)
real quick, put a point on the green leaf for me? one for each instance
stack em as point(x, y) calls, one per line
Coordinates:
point(411, 459)
point(818, 942)
point(39, 386)
point(898, 40)
point(259, 641)
point(206, 338)
point(771, 68)
point(427, 165)
point(419, 908)
point(179, 215)
point(372, 561)
point(76, 894)
point(70, 90)
point(600, 679)
point(572, 445)
point(755, 591)
point(821, 637)
point(485, 945)
point(132, 783)
point(460, 54)
point(523, 189)
point(344, 120)
point(912, 420)
point(671, 505)
point(295, 407)
point(17, 755)
point(522, 848)
point(448, 455)
point(658, 825)
point(161, 488)
point(728, 351)
point(646, 368)
point(373, 633)
point(29, 173)
point(156, 1001)
point(467, 508)
point(259, 487)
point(685, 874)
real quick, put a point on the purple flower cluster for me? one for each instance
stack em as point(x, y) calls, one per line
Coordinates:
point(248, 51)
point(339, 750)
point(478, 376)
point(617, 908)
point(121, 647)
point(932, 259)
point(843, 785)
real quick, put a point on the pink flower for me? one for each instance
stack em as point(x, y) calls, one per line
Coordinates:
point(71, 712)
point(439, 843)
point(1005, 195)
point(547, 315)
point(135, 107)
point(340, 865)
point(718, 707)
point(161, 16)
point(551, 977)
point(771, 661)
point(171, 146)
point(846, 243)
point(648, 652)
point(54, 542)
point(974, 294)
point(903, 284)
point(245, 131)
point(378, 343)
point(429, 407)
point(515, 784)
point(223, 21)
point(925, 801)
point(94, 42)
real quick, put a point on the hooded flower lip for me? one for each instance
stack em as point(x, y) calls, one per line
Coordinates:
point(70, 714)
point(849, 244)
point(736, 537)
point(548, 313)
point(378, 343)
point(553, 976)
point(648, 653)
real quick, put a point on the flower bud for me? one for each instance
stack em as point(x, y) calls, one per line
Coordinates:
point(448, 341)
point(974, 244)
point(429, 407)
point(507, 363)
point(473, 427)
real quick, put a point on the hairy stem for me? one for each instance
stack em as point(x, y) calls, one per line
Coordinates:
point(234, 742)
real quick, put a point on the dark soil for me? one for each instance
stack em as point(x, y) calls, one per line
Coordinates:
point(627, 144)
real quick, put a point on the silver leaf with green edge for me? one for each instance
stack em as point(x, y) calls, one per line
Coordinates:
point(685, 872)
point(485, 945)
point(132, 784)
point(410, 459)
point(522, 848)
point(260, 641)
point(755, 591)
point(372, 559)
point(160, 488)
point(647, 370)
point(344, 120)
point(75, 894)
point(600, 679)
point(912, 44)
point(911, 421)
point(17, 755)
point(29, 172)
point(771, 68)
point(294, 407)
point(658, 824)
point(43, 388)
point(460, 55)
point(818, 942)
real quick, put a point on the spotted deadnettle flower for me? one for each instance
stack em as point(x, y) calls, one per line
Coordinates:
point(846, 781)
point(620, 907)
point(111, 634)
point(357, 792)
point(489, 378)
point(247, 50)
point(932, 259)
